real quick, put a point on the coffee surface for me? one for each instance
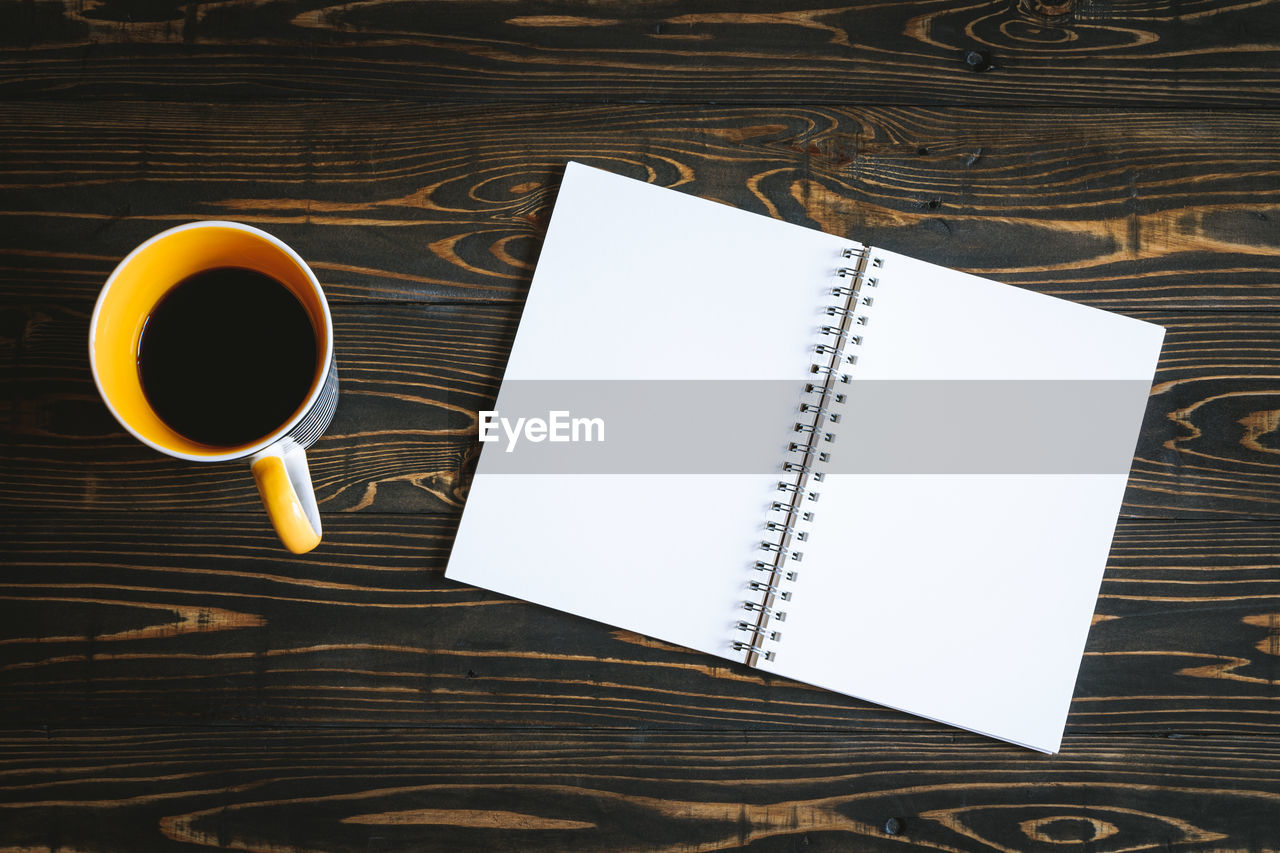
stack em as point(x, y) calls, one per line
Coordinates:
point(227, 356)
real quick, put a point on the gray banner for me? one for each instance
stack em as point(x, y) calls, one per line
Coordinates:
point(747, 427)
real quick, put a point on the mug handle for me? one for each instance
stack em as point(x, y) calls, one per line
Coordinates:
point(285, 486)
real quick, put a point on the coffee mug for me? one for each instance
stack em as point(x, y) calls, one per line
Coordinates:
point(213, 341)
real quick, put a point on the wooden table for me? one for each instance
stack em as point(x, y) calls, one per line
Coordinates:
point(171, 679)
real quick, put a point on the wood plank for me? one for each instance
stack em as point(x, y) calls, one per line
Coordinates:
point(1121, 209)
point(201, 619)
point(343, 790)
point(1209, 442)
point(413, 376)
point(1206, 52)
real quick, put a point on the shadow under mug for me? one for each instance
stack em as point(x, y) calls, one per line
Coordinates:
point(278, 459)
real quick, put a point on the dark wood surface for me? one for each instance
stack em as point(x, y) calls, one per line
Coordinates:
point(1201, 52)
point(172, 679)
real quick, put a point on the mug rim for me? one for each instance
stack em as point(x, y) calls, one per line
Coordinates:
point(324, 365)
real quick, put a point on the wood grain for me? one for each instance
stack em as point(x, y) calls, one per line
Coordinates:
point(1209, 442)
point(1127, 210)
point(1205, 52)
point(201, 619)
point(414, 375)
point(343, 790)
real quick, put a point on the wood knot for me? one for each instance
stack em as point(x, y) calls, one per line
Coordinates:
point(1048, 11)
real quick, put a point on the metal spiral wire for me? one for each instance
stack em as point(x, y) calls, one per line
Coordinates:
point(788, 526)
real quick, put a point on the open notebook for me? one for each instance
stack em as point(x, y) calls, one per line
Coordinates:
point(825, 460)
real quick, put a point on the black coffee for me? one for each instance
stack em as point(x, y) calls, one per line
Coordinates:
point(227, 356)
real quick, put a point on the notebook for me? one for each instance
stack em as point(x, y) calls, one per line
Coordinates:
point(821, 459)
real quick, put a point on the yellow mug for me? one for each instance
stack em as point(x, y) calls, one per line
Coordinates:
point(132, 293)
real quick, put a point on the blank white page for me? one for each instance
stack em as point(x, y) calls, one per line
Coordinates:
point(636, 282)
point(965, 598)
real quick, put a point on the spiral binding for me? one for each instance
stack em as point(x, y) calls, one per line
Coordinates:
point(788, 528)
